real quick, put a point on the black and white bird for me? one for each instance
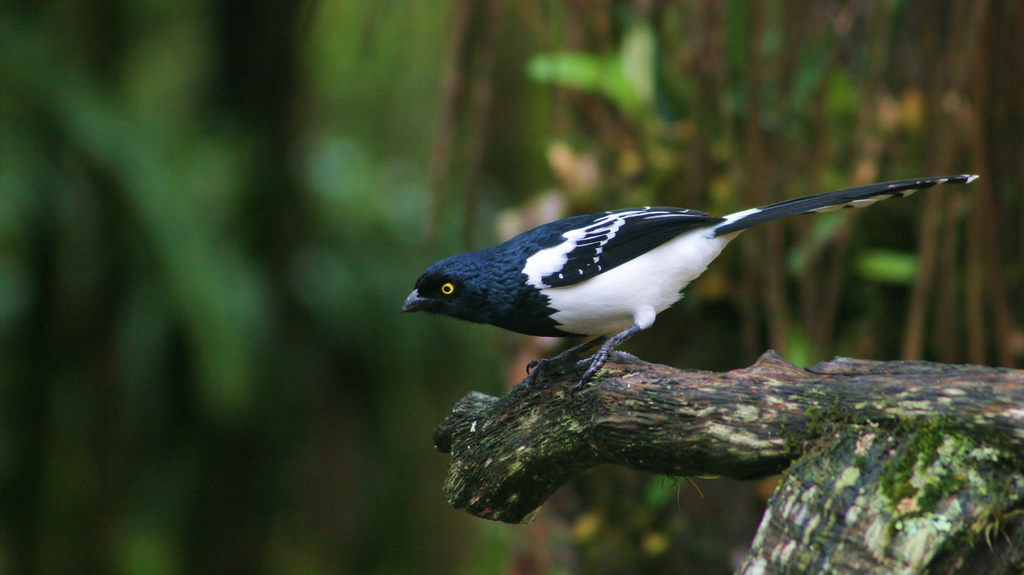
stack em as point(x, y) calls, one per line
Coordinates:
point(608, 274)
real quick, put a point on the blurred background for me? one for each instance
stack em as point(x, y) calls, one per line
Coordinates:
point(211, 212)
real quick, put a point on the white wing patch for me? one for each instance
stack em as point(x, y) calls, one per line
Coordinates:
point(552, 260)
point(548, 261)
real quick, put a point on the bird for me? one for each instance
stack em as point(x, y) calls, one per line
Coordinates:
point(608, 275)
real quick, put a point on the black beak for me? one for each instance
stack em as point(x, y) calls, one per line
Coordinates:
point(415, 303)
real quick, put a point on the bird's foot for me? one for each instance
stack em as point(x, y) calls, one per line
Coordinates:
point(537, 366)
point(571, 355)
point(594, 364)
point(533, 370)
point(591, 365)
point(624, 356)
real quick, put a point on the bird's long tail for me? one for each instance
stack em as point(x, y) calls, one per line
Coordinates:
point(828, 201)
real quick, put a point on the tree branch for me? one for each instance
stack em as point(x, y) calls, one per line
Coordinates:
point(873, 428)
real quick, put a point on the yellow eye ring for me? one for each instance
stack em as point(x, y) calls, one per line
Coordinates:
point(448, 288)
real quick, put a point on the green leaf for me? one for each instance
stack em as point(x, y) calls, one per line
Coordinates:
point(571, 69)
point(888, 266)
point(637, 61)
point(626, 78)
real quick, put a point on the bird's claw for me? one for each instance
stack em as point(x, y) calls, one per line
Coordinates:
point(624, 355)
point(593, 365)
point(534, 364)
point(533, 369)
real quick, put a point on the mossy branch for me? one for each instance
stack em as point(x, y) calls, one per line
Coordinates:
point(895, 461)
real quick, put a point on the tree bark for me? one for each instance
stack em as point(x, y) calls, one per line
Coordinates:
point(893, 467)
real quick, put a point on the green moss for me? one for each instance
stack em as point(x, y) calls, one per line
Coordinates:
point(795, 441)
point(932, 464)
point(822, 419)
point(920, 450)
point(899, 470)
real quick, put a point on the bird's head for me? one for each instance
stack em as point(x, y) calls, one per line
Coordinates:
point(453, 287)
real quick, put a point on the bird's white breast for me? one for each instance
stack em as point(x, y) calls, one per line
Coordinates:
point(636, 291)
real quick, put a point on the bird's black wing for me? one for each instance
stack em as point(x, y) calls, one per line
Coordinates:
point(611, 239)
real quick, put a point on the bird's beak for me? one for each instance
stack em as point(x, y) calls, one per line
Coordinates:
point(415, 303)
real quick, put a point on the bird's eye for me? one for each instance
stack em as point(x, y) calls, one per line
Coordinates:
point(448, 288)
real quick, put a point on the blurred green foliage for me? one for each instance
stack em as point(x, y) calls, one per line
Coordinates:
point(205, 367)
point(888, 266)
point(626, 78)
point(210, 214)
